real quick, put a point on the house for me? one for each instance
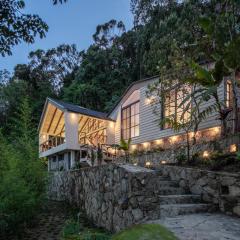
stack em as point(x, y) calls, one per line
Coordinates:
point(70, 134)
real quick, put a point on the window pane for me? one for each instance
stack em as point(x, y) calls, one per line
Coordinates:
point(137, 119)
point(137, 108)
point(128, 122)
point(128, 112)
point(132, 121)
point(133, 109)
point(132, 132)
point(137, 131)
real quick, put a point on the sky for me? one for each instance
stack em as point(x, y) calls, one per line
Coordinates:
point(73, 22)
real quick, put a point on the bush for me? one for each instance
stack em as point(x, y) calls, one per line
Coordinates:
point(78, 231)
point(181, 158)
point(18, 204)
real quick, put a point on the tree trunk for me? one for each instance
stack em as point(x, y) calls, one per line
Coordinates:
point(188, 148)
point(235, 102)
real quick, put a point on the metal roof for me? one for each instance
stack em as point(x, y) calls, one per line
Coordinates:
point(78, 109)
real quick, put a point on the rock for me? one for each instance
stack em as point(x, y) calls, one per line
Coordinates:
point(236, 210)
point(226, 181)
point(234, 191)
point(137, 214)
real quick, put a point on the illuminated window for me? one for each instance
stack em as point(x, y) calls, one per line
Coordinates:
point(172, 102)
point(229, 95)
point(130, 121)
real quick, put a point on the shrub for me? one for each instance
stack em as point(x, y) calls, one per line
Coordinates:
point(18, 203)
point(181, 158)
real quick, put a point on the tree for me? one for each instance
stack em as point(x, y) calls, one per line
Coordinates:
point(223, 37)
point(125, 146)
point(108, 66)
point(161, 25)
point(16, 27)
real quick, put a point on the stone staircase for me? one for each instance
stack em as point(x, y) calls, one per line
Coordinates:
point(175, 201)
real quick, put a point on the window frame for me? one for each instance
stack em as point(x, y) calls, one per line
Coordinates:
point(176, 110)
point(229, 94)
point(129, 126)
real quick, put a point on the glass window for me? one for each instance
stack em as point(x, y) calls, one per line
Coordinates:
point(172, 102)
point(229, 95)
point(130, 121)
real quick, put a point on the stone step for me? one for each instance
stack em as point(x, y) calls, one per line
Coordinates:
point(167, 183)
point(172, 210)
point(177, 199)
point(171, 191)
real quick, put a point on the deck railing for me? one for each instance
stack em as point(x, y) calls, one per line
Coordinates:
point(51, 143)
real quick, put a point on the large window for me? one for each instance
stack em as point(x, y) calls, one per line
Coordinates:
point(229, 94)
point(130, 121)
point(173, 100)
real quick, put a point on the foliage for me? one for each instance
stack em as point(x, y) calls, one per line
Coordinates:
point(16, 27)
point(181, 158)
point(125, 146)
point(108, 66)
point(22, 175)
point(149, 231)
point(81, 230)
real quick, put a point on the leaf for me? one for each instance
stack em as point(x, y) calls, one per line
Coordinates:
point(206, 24)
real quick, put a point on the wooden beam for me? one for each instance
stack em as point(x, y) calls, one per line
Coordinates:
point(58, 122)
point(80, 119)
point(84, 125)
point(52, 120)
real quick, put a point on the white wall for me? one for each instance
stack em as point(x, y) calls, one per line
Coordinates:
point(71, 130)
point(149, 124)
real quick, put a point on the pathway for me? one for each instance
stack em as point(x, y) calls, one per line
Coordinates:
point(49, 223)
point(204, 226)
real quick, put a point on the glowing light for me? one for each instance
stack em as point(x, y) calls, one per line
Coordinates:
point(44, 137)
point(148, 164)
point(150, 100)
point(73, 116)
point(146, 145)
point(134, 147)
point(163, 162)
point(159, 141)
point(111, 124)
point(174, 139)
point(233, 148)
point(216, 130)
point(191, 134)
point(135, 164)
point(205, 154)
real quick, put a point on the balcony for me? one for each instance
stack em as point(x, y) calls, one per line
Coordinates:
point(52, 142)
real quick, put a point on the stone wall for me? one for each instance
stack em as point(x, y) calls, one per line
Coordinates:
point(113, 196)
point(170, 154)
point(222, 189)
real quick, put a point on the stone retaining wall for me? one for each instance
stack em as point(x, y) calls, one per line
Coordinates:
point(113, 196)
point(170, 154)
point(222, 189)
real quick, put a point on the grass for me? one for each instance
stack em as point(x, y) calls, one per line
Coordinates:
point(145, 232)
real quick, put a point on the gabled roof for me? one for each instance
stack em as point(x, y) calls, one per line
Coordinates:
point(78, 109)
point(69, 107)
point(129, 87)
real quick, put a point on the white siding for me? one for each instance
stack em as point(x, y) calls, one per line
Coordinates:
point(149, 124)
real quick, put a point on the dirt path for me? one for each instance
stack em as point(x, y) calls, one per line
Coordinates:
point(49, 223)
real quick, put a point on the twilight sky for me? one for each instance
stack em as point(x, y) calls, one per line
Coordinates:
point(73, 22)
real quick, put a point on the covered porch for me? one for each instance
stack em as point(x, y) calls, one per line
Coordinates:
point(68, 128)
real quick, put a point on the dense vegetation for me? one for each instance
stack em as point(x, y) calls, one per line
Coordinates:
point(164, 31)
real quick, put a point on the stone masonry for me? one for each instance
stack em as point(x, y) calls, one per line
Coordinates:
point(222, 189)
point(117, 196)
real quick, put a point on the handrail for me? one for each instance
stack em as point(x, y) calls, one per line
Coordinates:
point(51, 143)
